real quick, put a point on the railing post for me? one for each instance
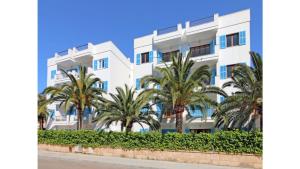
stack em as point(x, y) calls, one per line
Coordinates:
point(70, 51)
point(74, 50)
point(179, 27)
point(90, 45)
point(216, 16)
point(154, 33)
point(187, 24)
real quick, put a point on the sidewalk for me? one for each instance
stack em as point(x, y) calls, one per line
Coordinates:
point(48, 160)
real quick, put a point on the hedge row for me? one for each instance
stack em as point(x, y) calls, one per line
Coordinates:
point(220, 141)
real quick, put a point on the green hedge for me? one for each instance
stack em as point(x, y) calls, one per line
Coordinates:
point(221, 141)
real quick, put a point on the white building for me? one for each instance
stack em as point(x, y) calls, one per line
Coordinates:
point(104, 60)
point(217, 41)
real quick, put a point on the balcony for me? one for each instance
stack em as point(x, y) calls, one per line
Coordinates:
point(202, 25)
point(60, 118)
point(169, 35)
point(166, 57)
point(166, 30)
point(62, 77)
point(202, 21)
point(76, 54)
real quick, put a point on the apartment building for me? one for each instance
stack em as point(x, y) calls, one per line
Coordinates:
point(218, 41)
point(104, 60)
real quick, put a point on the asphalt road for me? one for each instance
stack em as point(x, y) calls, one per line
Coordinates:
point(55, 160)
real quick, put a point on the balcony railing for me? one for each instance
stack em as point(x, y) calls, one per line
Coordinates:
point(63, 53)
point(60, 118)
point(201, 21)
point(62, 76)
point(166, 57)
point(200, 50)
point(166, 30)
point(82, 47)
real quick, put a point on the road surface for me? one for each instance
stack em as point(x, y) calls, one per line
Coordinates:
point(55, 160)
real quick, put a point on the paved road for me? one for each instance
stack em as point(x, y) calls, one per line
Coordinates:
point(55, 160)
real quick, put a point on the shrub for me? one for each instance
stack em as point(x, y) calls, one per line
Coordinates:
point(220, 141)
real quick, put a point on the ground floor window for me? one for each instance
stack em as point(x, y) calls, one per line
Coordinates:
point(200, 130)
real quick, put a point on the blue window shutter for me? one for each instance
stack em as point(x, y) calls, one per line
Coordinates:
point(159, 57)
point(72, 111)
point(151, 56)
point(158, 109)
point(52, 114)
point(209, 112)
point(138, 84)
point(105, 86)
point(242, 38)
point(187, 130)
point(222, 99)
point(138, 59)
point(212, 47)
point(158, 86)
point(196, 112)
point(105, 62)
point(95, 64)
point(144, 110)
point(223, 72)
point(53, 73)
point(223, 42)
point(213, 75)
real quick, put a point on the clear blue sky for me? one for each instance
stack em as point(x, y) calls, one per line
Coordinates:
point(63, 24)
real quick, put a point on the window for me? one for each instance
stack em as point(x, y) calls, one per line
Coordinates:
point(230, 70)
point(103, 86)
point(167, 56)
point(53, 74)
point(137, 84)
point(145, 57)
point(101, 64)
point(200, 130)
point(200, 50)
point(232, 39)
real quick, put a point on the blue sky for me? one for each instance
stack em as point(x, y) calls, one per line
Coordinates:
point(63, 24)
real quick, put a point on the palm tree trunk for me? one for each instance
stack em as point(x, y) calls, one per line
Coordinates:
point(179, 109)
point(122, 127)
point(42, 122)
point(80, 121)
point(78, 116)
point(261, 122)
point(128, 128)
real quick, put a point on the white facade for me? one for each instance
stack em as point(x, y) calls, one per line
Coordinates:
point(217, 41)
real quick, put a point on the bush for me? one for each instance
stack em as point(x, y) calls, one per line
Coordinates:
point(220, 141)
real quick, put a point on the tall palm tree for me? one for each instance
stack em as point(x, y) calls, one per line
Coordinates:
point(182, 87)
point(79, 93)
point(43, 112)
point(127, 109)
point(246, 104)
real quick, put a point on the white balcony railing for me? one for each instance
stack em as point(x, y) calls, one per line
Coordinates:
point(60, 118)
point(61, 76)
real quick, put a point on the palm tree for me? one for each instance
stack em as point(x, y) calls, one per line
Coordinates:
point(246, 104)
point(43, 112)
point(182, 87)
point(127, 109)
point(79, 93)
